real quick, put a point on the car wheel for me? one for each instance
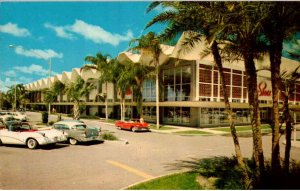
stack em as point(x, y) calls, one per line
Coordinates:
point(32, 143)
point(0, 142)
point(134, 129)
point(72, 141)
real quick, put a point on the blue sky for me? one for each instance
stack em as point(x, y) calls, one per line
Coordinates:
point(66, 32)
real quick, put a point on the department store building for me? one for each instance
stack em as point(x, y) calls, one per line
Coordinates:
point(191, 93)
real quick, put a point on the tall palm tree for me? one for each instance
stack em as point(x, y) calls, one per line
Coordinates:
point(52, 94)
point(196, 18)
point(139, 73)
point(287, 89)
point(282, 21)
point(75, 91)
point(242, 27)
point(102, 64)
point(14, 95)
point(124, 83)
point(150, 43)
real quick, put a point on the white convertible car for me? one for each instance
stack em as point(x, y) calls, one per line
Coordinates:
point(21, 133)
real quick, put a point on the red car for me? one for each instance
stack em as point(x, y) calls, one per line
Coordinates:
point(133, 125)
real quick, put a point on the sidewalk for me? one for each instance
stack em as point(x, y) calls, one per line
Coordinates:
point(182, 129)
point(177, 129)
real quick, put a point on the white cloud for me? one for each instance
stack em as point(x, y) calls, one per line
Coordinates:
point(90, 32)
point(32, 69)
point(10, 81)
point(37, 53)
point(60, 31)
point(10, 73)
point(13, 29)
point(161, 9)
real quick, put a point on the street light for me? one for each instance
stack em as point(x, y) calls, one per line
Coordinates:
point(49, 78)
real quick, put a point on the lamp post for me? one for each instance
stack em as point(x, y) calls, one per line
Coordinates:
point(15, 109)
point(49, 78)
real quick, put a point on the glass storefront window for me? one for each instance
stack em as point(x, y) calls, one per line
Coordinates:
point(177, 114)
point(149, 113)
point(149, 91)
point(177, 84)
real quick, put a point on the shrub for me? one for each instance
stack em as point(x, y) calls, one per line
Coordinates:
point(109, 136)
point(51, 123)
point(45, 117)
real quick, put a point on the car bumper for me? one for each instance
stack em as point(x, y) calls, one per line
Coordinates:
point(94, 138)
point(47, 140)
point(142, 129)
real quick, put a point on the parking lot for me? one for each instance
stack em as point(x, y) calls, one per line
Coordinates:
point(112, 164)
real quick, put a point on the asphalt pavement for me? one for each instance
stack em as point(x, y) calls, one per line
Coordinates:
point(113, 164)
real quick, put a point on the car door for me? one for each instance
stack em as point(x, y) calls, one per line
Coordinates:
point(12, 136)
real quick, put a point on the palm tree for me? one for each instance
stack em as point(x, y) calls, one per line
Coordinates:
point(124, 83)
point(243, 23)
point(102, 64)
point(282, 21)
point(196, 18)
point(15, 94)
point(51, 95)
point(150, 43)
point(287, 89)
point(75, 91)
point(139, 73)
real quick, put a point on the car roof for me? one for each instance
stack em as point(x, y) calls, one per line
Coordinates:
point(70, 122)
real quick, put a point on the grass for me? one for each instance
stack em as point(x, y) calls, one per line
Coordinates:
point(242, 128)
point(179, 181)
point(192, 132)
point(161, 127)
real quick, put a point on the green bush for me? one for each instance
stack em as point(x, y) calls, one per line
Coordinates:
point(109, 136)
point(51, 123)
point(225, 169)
point(45, 117)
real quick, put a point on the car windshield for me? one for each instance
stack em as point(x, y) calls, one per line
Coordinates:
point(80, 126)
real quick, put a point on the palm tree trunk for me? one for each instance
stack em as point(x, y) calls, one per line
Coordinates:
point(251, 76)
point(238, 152)
point(76, 110)
point(288, 135)
point(157, 94)
point(121, 106)
point(275, 58)
point(106, 104)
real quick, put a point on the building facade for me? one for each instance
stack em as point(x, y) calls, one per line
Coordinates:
point(191, 93)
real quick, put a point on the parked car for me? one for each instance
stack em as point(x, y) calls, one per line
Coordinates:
point(21, 133)
point(2, 125)
point(133, 125)
point(78, 131)
point(19, 115)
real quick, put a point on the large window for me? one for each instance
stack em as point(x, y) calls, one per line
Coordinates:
point(177, 84)
point(149, 113)
point(210, 87)
point(177, 114)
point(149, 91)
point(218, 116)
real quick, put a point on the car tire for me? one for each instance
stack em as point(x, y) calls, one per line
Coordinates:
point(31, 143)
point(73, 141)
point(134, 129)
point(1, 143)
